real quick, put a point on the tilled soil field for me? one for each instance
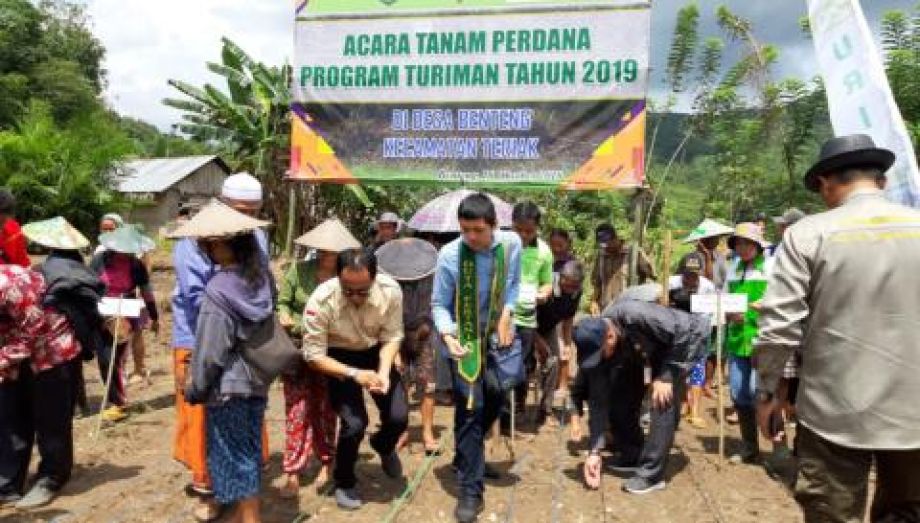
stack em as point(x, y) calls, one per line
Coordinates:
point(128, 475)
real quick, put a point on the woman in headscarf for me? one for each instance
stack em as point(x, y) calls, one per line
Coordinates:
point(124, 276)
point(107, 224)
point(238, 299)
point(311, 422)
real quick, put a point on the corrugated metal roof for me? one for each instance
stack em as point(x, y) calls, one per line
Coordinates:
point(158, 174)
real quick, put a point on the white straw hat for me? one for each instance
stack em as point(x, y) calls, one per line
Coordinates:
point(331, 235)
point(217, 220)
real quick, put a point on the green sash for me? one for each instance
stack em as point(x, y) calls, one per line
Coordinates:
point(467, 305)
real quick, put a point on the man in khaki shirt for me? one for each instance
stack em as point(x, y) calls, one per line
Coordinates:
point(845, 289)
point(352, 332)
point(610, 275)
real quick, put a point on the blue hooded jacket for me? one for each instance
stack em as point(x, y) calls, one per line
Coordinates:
point(230, 311)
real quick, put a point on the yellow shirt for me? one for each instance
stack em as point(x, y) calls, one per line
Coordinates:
point(330, 320)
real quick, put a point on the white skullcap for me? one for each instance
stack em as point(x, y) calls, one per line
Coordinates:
point(242, 186)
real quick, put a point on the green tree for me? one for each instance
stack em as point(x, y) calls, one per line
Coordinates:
point(66, 36)
point(68, 172)
point(64, 87)
point(149, 142)
point(47, 52)
point(901, 44)
point(20, 51)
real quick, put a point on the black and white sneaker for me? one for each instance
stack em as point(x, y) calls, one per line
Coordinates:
point(637, 485)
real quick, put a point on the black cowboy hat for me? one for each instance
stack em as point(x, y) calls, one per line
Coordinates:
point(854, 150)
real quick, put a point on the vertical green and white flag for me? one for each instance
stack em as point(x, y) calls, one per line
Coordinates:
point(858, 93)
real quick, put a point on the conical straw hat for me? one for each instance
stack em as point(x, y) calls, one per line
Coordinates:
point(56, 233)
point(331, 235)
point(217, 220)
point(708, 229)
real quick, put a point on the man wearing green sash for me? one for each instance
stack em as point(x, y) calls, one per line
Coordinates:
point(475, 292)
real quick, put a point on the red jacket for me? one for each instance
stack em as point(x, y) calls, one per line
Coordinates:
point(13, 245)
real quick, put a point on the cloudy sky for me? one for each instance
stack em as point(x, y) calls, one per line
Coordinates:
point(151, 42)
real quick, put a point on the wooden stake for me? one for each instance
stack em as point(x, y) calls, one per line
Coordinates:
point(717, 375)
point(292, 211)
point(666, 269)
point(113, 362)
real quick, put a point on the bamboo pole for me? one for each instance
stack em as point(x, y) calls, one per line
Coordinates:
point(113, 362)
point(638, 227)
point(666, 268)
point(717, 375)
point(291, 221)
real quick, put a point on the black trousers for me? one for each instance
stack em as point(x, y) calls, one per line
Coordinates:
point(37, 408)
point(347, 399)
point(625, 410)
point(471, 425)
point(117, 392)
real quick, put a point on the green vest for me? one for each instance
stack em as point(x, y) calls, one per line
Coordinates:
point(750, 279)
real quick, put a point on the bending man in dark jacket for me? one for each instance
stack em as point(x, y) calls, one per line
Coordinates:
point(612, 351)
point(75, 291)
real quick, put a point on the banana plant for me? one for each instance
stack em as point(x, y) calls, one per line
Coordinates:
point(249, 117)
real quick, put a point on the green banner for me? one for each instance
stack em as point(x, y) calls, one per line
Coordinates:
point(318, 7)
point(523, 97)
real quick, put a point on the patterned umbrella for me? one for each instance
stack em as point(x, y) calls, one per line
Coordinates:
point(440, 215)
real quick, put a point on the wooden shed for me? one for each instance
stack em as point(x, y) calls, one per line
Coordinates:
point(158, 187)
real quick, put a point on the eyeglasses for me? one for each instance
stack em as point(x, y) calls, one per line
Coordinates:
point(356, 293)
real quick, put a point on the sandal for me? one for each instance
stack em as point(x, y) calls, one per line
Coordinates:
point(195, 491)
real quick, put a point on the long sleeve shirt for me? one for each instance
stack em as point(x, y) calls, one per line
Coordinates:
point(27, 330)
point(445, 281)
point(122, 274)
point(298, 284)
point(610, 275)
point(595, 387)
point(227, 316)
point(193, 272)
point(671, 339)
point(330, 320)
point(844, 290)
